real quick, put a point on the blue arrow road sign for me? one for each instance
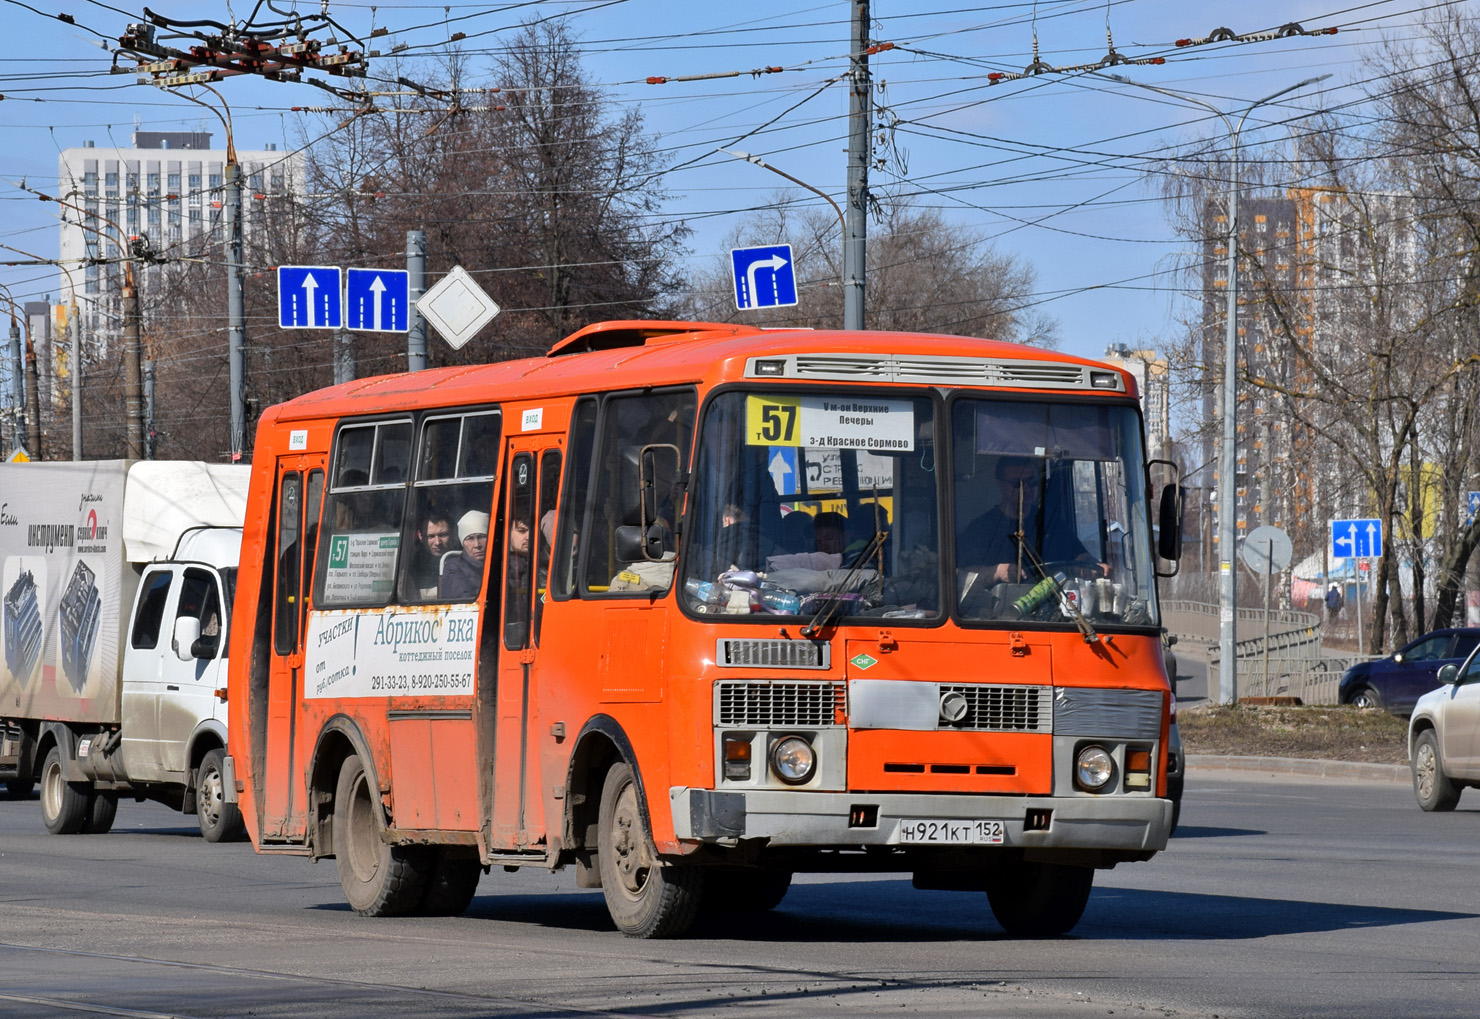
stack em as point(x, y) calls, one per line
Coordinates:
point(781, 464)
point(308, 297)
point(376, 300)
point(1474, 501)
point(764, 277)
point(1356, 539)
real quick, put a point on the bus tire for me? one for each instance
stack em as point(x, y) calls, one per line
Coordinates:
point(1039, 900)
point(64, 805)
point(744, 891)
point(102, 808)
point(219, 821)
point(378, 879)
point(451, 883)
point(645, 897)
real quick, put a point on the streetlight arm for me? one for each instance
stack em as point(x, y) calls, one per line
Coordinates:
point(800, 183)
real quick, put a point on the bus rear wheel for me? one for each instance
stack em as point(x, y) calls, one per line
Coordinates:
point(645, 897)
point(451, 883)
point(378, 879)
point(1039, 900)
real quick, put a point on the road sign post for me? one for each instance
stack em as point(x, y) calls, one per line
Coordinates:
point(764, 277)
point(377, 300)
point(309, 297)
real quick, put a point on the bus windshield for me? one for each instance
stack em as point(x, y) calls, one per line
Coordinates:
point(1050, 513)
point(811, 503)
point(808, 502)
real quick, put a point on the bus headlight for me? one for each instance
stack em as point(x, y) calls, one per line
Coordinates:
point(1093, 768)
point(793, 760)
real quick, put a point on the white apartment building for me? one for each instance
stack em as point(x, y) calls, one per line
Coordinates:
point(168, 188)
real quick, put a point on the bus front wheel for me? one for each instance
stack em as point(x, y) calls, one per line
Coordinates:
point(378, 879)
point(646, 898)
point(1039, 900)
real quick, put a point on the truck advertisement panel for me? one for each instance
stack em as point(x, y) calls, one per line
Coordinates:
point(67, 592)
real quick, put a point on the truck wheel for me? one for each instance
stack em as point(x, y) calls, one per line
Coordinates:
point(1039, 900)
point(744, 891)
point(378, 879)
point(219, 821)
point(645, 897)
point(20, 788)
point(64, 805)
point(1431, 787)
point(451, 883)
point(102, 808)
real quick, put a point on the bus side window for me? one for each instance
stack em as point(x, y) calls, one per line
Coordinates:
point(289, 555)
point(549, 493)
point(367, 498)
point(573, 506)
point(312, 506)
point(518, 545)
point(631, 423)
point(451, 498)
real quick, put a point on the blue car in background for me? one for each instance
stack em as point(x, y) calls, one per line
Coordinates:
point(1399, 680)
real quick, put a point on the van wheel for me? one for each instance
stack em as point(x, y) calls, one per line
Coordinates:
point(378, 879)
point(102, 808)
point(1431, 787)
point(219, 821)
point(645, 897)
point(1039, 900)
point(64, 805)
point(451, 884)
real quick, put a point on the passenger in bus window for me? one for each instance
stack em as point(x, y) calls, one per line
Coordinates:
point(433, 541)
point(829, 532)
point(517, 578)
point(990, 541)
point(462, 575)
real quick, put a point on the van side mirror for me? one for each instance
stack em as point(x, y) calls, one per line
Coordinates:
point(187, 632)
point(205, 647)
point(1449, 675)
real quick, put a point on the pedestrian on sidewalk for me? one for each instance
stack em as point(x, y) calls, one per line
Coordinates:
point(1334, 601)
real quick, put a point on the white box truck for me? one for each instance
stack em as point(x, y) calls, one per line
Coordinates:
point(118, 580)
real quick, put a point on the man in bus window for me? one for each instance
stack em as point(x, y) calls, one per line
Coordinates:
point(462, 576)
point(517, 580)
point(829, 532)
point(991, 540)
point(433, 541)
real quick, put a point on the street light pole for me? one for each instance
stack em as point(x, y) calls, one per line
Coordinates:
point(1227, 464)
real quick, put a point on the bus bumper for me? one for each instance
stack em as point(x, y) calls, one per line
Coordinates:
point(819, 819)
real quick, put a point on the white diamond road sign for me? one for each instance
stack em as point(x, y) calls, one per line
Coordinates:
point(309, 297)
point(764, 277)
point(1359, 539)
point(377, 300)
point(457, 307)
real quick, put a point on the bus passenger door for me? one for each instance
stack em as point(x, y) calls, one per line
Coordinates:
point(532, 481)
point(300, 488)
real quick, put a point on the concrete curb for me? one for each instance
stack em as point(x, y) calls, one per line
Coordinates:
point(1351, 770)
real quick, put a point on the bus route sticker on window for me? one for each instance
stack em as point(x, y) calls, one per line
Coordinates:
point(836, 422)
point(361, 567)
point(429, 651)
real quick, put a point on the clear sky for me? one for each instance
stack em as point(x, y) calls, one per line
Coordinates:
point(1050, 168)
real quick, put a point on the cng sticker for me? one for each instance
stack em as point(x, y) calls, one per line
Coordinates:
point(772, 420)
point(863, 660)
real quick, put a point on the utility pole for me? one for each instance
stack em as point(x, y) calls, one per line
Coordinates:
point(33, 400)
point(236, 316)
point(416, 271)
point(149, 436)
point(860, 137)
point(17, 390)
point(133, 374)
point(74, 330)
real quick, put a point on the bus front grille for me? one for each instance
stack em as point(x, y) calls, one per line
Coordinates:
point(782, 704)
point(1003, 708)
point(772, 654)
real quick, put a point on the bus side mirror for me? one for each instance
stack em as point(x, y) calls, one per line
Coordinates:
point(649, 474)
point(1449, 675)
point(1169, 523)
point(635, 547)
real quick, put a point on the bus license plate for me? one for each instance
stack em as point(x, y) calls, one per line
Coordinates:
point(961, 833)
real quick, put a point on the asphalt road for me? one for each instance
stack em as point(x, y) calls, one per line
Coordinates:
point(1277, 898)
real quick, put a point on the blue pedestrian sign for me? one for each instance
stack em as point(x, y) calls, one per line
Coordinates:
point(1356, 539)
point(764, 277)
point(309, 297)
point(376, 300)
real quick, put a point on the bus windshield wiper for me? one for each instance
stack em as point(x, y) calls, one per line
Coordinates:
point(1080, 620)
point(830, 604)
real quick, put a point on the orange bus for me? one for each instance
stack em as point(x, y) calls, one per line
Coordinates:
point(693, 607)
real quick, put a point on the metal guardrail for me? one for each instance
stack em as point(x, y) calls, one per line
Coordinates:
point(1297, 667)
